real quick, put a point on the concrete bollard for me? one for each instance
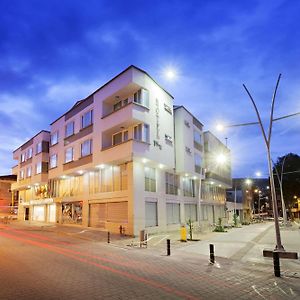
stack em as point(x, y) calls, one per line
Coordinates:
point(276, 263)
point(211, 253)
point(168, 247)
point(108, 237)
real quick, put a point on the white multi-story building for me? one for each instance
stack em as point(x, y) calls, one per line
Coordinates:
point(123, 157)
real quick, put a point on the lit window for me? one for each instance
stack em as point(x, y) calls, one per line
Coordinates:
point(118, 105)
point(69, 155)
point(38, 168)
point(29, 153)
point(87, 119)
point(86, 148)
point(54, 138)
point(39, 147)
point(53, 161)
point(22, 174)
point(117, 138)
point(150, 179)
point(22, 157)
point(28, 172)
point(69, 129)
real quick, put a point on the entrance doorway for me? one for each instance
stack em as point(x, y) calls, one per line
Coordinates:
point(26, 213)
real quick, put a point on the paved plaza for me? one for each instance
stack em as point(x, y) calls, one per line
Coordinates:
point(56, 262)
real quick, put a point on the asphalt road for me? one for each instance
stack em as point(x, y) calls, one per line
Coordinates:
point(39, 264)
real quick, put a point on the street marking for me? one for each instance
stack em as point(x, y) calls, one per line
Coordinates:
point(292, 292)
point(254, 288)
point(275, 283)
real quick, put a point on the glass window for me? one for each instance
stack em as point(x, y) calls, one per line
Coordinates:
point(69, 155)
point(172, 184)
point(29, 153)
point(54, 138)
point(69, 129)
point(22, 157)
point(141, 97)
point(29, 171)
point(86, 148)
point(197, 137)
point(150, 179)
point(87, 119)
point(117, 138)
point(141, 132)
point(22, 174)
point(188, 187)
point(118, 105)
point(53, 161)
point(38, 168)
point(125, 135)
point(39, 147)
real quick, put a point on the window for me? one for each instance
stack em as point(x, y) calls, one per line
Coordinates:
point(125, 135)
point(29, 153)
point(117, 138)
point(53, 161)
point(150, 179)
point(141, 97)
point(38, 168)
point(118, 105)
point(39, 147)
point(141, 132)
point(188, 187)
point(150, 214)
point(168, 108)
point(190, 211)
point(173, 213)
point(28, 172)
point(172, 184)
point(87, 119)
point(198, 161)
point(197, 137)
point(69, 129)
point(69, 155)
point(22, 174)
point(86, 148)
point(54, 138)
point(22, 157)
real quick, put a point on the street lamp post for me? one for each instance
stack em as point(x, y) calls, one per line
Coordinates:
point(267, 140)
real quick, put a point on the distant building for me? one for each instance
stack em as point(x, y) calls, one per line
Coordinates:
point(123, 157)
point(246, 196)
point(6, 198)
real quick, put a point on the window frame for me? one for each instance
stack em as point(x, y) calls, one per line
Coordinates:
point(83, 118)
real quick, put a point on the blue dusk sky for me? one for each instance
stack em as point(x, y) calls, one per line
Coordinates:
point(54, 53)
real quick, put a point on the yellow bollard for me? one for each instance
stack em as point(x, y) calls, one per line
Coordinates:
point(183, 237)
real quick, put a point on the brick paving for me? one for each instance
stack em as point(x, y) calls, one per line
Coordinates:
point(53, 263)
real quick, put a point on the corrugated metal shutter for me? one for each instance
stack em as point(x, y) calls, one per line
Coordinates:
point(150, 214)
point(117, 212)
point(173, 213)
point(98, 215)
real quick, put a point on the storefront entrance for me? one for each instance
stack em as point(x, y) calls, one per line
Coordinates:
point(72, 213)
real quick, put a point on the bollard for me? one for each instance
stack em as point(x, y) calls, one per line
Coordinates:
point(276, 263)
point(211, 253)
point(108, 237)
point(168, 247)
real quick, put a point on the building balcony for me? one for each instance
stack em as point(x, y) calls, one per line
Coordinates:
point(126, 116)
point(220, 179)
point(124, 151)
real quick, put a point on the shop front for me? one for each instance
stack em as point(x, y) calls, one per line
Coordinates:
point(72, 212)
point(43, 210)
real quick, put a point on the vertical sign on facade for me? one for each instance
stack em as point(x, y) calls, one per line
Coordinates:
point(157, 118)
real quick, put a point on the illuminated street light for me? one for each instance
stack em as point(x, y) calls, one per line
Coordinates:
point(258, 174)
point(221, 158)
point(248, 181)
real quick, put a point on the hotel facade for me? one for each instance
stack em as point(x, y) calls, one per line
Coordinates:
point(124, 157)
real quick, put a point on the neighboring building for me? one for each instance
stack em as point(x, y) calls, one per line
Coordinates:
point(32, 183)
point(246, 196)
point(217, 180)
point(6, 197)
point(120, 157)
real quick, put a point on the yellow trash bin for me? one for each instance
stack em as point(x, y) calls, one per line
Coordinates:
point(183, 237)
